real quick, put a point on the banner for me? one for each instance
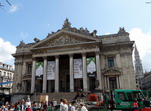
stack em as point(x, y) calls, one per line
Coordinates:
point(77, 68)
point(39, 70)
point(51, 70)
point(91, 66)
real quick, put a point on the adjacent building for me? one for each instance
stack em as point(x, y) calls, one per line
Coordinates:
point(138, 69)
point(146, 83)
point(6, 79)
point(72, 59)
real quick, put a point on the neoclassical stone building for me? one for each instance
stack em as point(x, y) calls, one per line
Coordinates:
point(72, 59)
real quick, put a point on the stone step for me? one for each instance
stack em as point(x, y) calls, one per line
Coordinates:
point(57, 96)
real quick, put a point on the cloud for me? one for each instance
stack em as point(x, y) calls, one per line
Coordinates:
point(143, 43)
point(13, 9)
point(6, 49)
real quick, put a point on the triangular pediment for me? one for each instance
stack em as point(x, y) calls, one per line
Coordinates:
point(65, 38)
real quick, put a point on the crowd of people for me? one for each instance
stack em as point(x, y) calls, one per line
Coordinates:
point(52, 105)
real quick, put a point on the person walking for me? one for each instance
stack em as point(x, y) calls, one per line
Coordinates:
point(65, 105)
point(72, 106)
point(83, 108)
point(28, 108)
point(135, 106)
point(146, 103)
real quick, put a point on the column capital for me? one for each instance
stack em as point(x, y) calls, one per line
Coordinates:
point(34, 58)
point(83, 53)
point(70, 55)
point(56, 56)
point(97, 52)
point(44, 57)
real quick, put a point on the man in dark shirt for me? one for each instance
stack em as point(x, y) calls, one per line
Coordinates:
point(146, 103)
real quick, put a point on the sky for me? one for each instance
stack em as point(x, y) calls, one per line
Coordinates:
point(25, 20)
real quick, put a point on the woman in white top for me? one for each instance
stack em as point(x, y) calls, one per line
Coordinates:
point(65, 105)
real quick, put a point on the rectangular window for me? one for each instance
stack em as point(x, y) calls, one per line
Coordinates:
point(29, 68)
point(112, 83)
point(4, 73)
point(110, 61)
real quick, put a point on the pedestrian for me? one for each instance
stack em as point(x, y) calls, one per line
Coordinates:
point(69, 106)
point(146, 103)
point(135, 105)
point(28, 108)
point(61, 104)
point(83, 108)
point(72, 106)
point(65, 105)
point(45, 106)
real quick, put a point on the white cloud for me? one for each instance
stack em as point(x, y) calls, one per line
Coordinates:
point(6, 49)
point(107, 33)
point(143, 43)
point(13, 9)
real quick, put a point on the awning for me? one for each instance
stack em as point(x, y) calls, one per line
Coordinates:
point(8, 82)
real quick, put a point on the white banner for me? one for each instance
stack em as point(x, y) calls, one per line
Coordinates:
point(39, 70)
point(51, 70)
point(91, 66)
point(77, 68)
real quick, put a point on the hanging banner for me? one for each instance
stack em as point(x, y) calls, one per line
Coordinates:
point(39, 70)
point(77, 68)
point(51, 70)
point(91, 67)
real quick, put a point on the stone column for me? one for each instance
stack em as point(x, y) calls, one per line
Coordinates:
point(15, 78)
point(85, 85)
point(57, 74)
point(98, 69)
point(117, 82)
point(45, 76)
point(33, 76)
point(23, 73)
point(24, 68)
point(105, 83)
point(71, 74)
point(108, 83)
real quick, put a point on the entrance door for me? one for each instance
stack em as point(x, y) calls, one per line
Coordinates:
point(67, 83)
point(78, 84)
point(92, 83)
point(112, 83)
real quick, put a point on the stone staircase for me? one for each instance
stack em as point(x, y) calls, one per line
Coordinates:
point(57, 96)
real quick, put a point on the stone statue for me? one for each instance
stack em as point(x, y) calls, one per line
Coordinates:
point(66, 25)
point(121, 30)
point(22, 43)
point(93, 33)
point(36, 40)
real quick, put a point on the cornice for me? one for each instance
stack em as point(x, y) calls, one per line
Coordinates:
point(21, 54)
point(68, 45)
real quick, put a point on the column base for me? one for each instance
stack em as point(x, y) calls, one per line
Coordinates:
point(56, 90)
point(44, 92)
point(85, 89)
point(71, 90)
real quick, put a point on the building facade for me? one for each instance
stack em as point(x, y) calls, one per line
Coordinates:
point(6, 79)
point(72, 59)
point(146, 83)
